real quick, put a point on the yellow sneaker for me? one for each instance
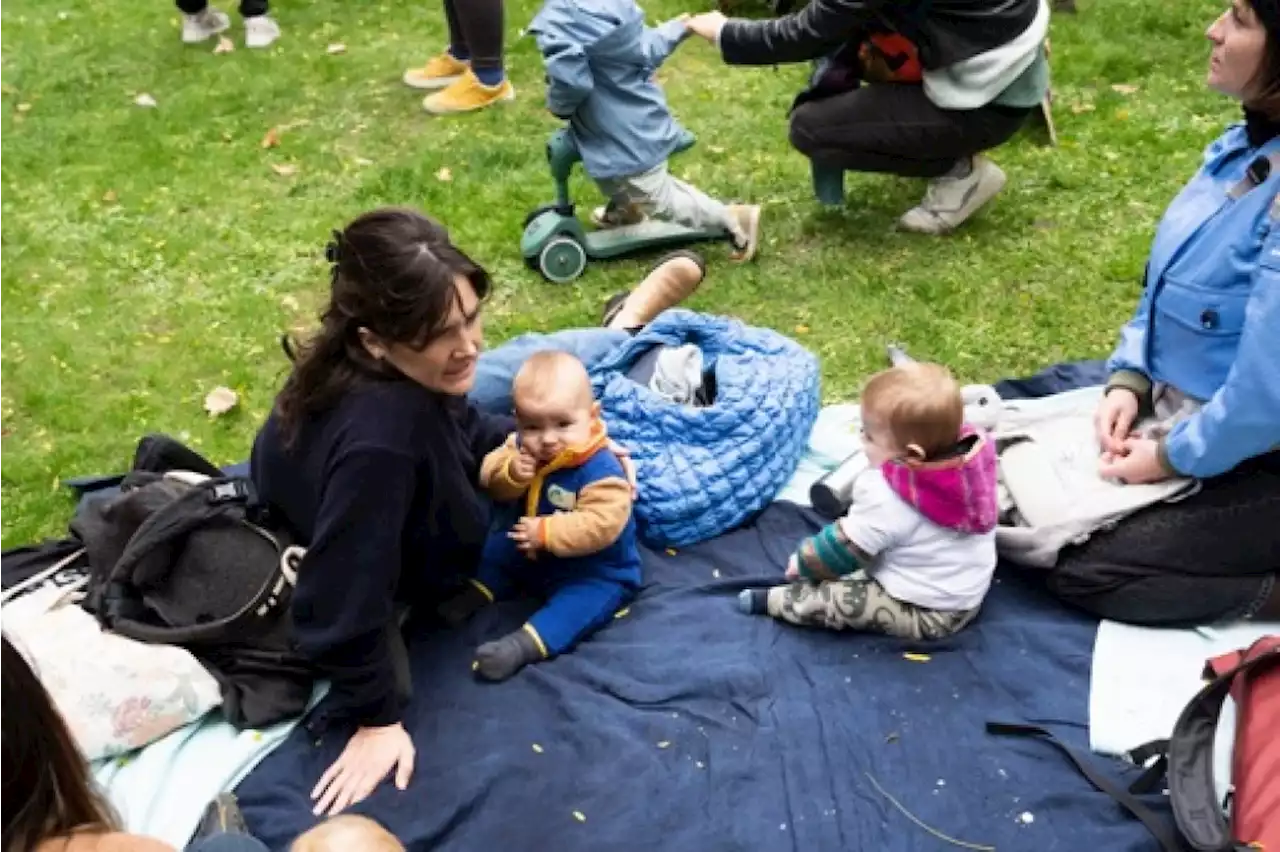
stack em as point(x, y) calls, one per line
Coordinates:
point(467, 94)
point(440, 71)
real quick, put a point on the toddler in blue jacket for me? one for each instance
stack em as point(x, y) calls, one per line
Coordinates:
point(601, 60)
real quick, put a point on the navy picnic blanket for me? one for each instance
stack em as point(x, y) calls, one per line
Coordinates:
point(688, 726)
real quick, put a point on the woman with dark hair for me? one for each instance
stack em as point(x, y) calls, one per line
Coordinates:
point(946, 80)
point(50, 803)
point(1204, 341)
point(371, 457)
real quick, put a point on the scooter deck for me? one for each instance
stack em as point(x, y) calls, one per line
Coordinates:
point(651, 234)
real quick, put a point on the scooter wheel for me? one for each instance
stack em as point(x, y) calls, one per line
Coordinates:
point(562, 260)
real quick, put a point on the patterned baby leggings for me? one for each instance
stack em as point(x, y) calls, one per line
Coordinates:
point(858, 602)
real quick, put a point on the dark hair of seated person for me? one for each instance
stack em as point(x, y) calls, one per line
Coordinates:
point(48, 792)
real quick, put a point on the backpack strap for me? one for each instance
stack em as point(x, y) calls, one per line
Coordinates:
point(1159, 828)
point(1191, 784)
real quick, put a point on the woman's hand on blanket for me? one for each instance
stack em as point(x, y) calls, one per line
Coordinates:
point(793, 568)
point(707, 25)
point(1138, 462)
point(628, 466)
point(370, 755)
point(1114, 419)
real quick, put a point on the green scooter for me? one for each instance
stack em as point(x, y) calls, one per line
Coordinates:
point(555, 242)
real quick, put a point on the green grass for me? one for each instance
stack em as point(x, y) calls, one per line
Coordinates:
point(152, 254)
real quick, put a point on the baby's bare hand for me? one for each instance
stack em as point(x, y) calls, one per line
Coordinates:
point(793, 568)
point(523, 467)
point(525, 534)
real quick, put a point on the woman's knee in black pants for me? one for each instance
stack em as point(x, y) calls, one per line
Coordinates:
point(806, 131)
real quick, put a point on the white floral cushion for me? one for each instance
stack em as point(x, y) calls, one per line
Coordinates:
point(116, 694)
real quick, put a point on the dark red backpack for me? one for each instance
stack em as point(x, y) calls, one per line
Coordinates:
point(1250, 818)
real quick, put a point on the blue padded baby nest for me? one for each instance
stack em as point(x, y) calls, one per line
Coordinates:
point(703, 471)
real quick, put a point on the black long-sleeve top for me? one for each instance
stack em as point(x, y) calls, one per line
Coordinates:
point(382, 489)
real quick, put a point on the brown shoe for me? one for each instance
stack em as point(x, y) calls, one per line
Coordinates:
point(747, 241)
point(672, 280)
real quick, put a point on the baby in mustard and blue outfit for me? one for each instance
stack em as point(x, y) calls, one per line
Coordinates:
point(575, 542)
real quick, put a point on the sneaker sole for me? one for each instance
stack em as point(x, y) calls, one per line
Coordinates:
point(429, 84)
point(753, 236)
point(509, 95)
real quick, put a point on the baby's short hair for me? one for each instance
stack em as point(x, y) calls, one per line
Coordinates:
point(347, 833)
point(919, 403)
point(551, 370)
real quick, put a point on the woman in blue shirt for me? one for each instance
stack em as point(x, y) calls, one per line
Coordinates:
point(1206, 337)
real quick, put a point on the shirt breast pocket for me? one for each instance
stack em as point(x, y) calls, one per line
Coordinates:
point(1195, 325)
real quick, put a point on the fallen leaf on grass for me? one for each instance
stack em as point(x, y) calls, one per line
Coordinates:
point(1082, 107)
point(225, 45)
point(363, 161)
point(802, 329)
point(272, 139)
point(1124, 88)
point(24, 107)
point(220, 400)
point(444, 175)
point(110, 197)
point(145, 100)
point(284, 169)
point(336, 48)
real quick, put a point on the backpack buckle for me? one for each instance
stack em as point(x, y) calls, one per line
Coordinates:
point(232, 491)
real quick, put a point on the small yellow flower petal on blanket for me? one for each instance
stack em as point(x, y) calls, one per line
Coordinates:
point(665, 744)
point(671, 551)
point(475, 665)
point(579, 816)
point(537, 748)
point(916, 658)
point(622, 613)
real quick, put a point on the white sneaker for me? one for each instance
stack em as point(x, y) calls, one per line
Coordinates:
point(949, 201)
point(260, 31)
point(203, 25)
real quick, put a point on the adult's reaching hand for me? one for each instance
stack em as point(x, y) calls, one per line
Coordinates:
point(707, 25)
point(369, 757)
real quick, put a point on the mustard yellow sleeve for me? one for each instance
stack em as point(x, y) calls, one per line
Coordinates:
point(495, 473)
point(602, 511)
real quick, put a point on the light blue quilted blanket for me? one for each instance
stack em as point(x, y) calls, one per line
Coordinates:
point(703, 471)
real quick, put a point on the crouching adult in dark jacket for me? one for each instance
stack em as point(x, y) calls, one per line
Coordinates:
point(947, 80)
